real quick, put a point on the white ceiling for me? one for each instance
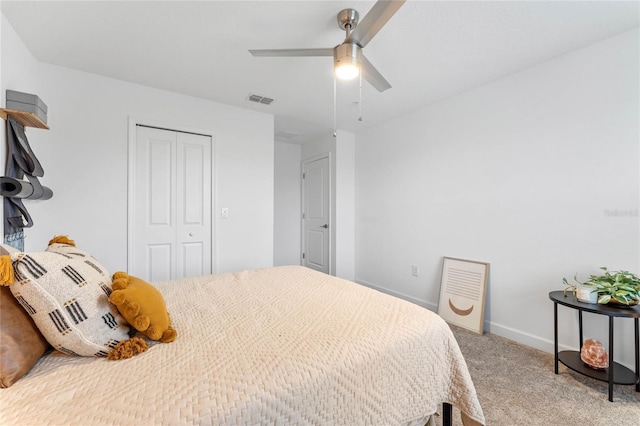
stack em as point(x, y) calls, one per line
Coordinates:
point(428, 51)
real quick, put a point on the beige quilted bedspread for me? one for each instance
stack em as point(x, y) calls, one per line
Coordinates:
point(282, 345)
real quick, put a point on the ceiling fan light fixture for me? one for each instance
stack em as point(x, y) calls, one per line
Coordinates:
point(346, 61)
point(358, 34)
point(347, 71)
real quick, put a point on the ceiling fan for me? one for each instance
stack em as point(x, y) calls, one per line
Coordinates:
point(348, 58)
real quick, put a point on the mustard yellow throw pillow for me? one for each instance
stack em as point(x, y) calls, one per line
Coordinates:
point(143, 306)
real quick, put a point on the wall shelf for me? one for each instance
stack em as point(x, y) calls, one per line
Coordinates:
point(27, 119)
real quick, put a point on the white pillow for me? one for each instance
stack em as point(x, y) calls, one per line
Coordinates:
point(66, 292)
point(74, 252)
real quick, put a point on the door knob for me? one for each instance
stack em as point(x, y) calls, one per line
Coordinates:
point(325, 226)
point(191, 234)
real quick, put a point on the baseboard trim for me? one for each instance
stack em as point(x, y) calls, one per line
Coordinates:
point(428, 305)
point(528, 339)
point(510, 333)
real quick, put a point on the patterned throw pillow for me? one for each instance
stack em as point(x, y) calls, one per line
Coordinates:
point(66, 292)
point(74, 252)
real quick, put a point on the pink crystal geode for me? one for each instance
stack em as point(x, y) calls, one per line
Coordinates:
point(594, 355)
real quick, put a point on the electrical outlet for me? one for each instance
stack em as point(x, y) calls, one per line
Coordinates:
point(225, 213)
point(415, 271)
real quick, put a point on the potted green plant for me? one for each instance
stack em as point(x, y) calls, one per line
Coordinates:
point(616, 287)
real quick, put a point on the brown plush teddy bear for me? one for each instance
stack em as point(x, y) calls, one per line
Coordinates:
point(143, 306)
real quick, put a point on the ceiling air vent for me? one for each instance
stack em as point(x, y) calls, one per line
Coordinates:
point(259, 99)
point(286, 135)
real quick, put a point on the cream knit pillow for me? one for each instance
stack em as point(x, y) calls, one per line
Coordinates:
point(67, 295)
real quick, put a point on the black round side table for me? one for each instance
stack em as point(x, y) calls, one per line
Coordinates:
point(616, 373)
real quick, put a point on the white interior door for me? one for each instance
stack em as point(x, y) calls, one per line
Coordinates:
point(171, 211)
point(315, 215)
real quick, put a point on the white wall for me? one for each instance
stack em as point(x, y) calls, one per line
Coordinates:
point(345, 205)
point(287, 193)
point(85, 160)
point(522, 173)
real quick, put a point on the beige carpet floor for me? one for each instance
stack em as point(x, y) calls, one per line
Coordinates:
point(517, 385)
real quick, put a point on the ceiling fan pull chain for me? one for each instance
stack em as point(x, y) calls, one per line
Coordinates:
point(335, 125)
point(360, 101)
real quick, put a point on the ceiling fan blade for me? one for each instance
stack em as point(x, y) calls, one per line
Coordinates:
point(292, 52)
point(371, 74)
point(377, 17)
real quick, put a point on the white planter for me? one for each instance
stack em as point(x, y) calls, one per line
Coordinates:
point(584, 294)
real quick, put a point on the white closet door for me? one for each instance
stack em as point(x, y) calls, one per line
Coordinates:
point(172, 205)
point(194, 205)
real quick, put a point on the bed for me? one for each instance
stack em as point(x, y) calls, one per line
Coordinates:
point(283, 345)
